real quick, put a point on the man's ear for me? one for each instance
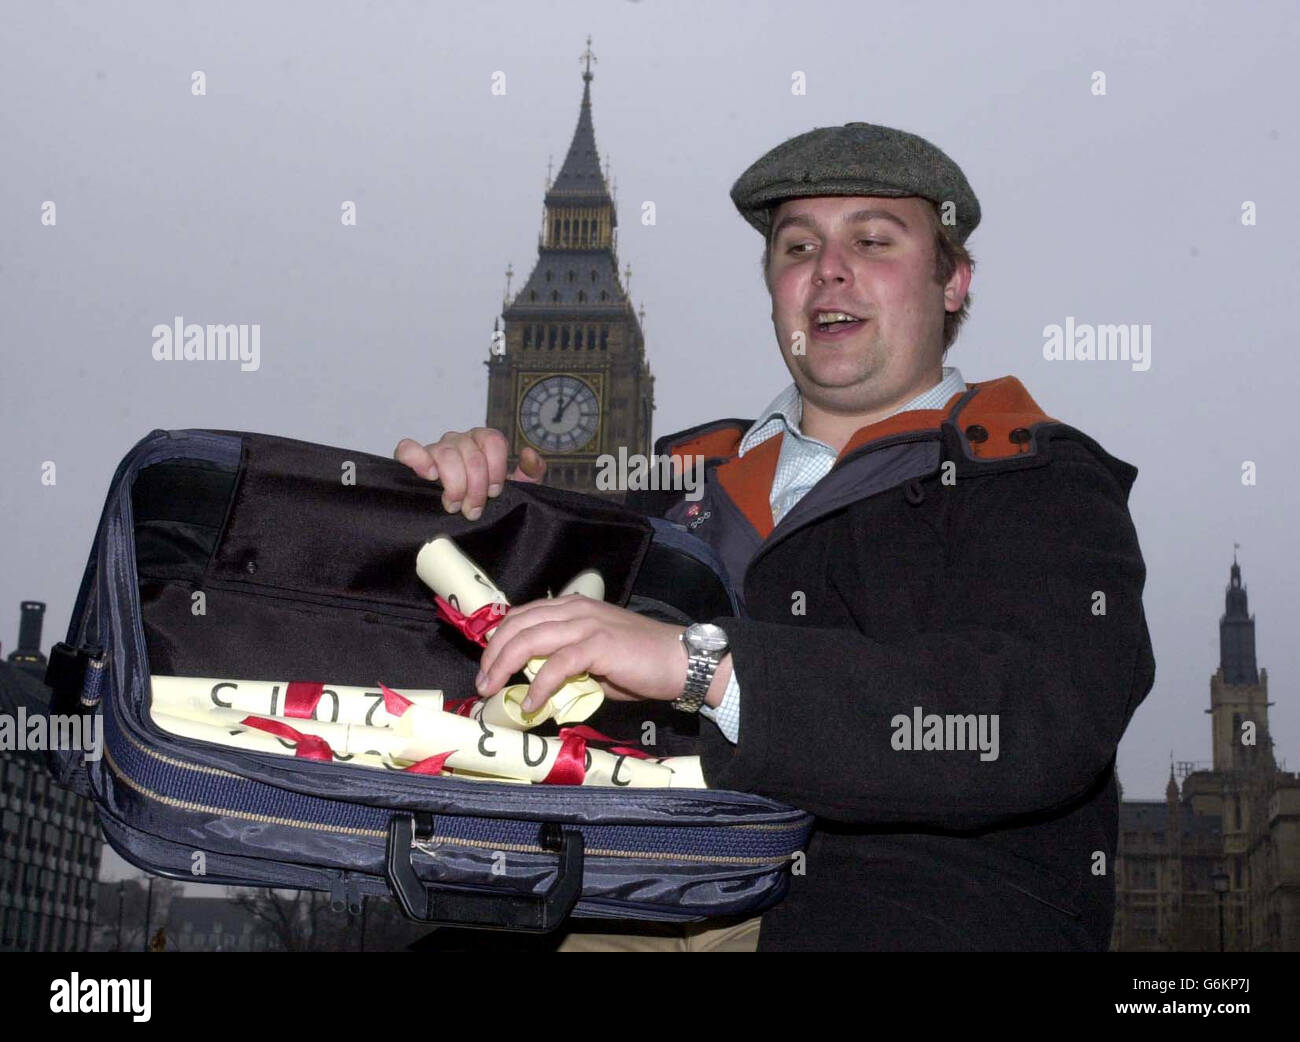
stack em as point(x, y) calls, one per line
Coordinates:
point(954, 290)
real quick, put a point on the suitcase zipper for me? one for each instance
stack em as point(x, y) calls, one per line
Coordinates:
point(427, 845)
point(430, 845)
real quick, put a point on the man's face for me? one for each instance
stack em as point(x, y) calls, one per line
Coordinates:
point(873, 258)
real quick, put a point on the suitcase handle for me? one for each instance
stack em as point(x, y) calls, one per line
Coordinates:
point(427, 903)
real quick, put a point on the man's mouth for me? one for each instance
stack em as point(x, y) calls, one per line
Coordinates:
point(833, 324)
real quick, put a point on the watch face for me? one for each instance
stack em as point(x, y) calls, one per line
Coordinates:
point(559, 414)
point(706, 637)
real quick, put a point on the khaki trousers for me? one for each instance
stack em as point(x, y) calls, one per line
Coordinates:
point(712, 935)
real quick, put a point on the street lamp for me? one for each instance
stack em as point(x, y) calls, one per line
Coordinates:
point(1220, 882)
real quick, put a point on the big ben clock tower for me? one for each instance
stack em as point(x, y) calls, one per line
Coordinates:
point(568, 373)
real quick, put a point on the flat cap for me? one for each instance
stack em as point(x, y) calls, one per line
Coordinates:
point(855, 159)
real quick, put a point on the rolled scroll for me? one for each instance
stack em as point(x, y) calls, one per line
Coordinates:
point(587, 582)
point(518, 754)
point(345, 740)
point(448, 572)
point(237, 735)
point(573, 703)
point(687, 772)
point(469, 746)
point(453, 576)
point(331, 702)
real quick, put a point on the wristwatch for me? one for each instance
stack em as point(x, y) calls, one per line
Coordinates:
point(705, 646)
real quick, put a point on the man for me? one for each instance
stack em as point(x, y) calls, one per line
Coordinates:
point(943, 636)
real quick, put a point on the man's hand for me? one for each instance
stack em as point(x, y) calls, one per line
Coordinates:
point(471, 465)
point(632, 656)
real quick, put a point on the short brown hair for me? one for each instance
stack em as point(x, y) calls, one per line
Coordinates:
point(948, 253)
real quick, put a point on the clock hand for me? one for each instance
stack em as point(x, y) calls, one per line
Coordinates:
point(559, 410)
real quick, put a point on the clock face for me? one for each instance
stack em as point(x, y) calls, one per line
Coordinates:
point(559, 414)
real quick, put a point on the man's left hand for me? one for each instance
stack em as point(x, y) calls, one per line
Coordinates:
point(632, 657)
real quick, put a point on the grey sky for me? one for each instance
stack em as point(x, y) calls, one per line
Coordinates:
point(225, 208)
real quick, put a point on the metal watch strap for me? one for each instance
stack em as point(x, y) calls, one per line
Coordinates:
point(701, 665)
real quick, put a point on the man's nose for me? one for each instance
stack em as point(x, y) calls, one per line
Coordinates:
point(832, 265)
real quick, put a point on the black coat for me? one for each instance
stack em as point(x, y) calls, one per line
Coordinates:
point(977, 559)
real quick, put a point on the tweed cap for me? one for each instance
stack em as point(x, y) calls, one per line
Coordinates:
point(855, 159)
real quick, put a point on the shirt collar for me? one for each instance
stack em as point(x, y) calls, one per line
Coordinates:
point(785, 411)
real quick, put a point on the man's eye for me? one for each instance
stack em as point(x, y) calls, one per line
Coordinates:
point(799, 248)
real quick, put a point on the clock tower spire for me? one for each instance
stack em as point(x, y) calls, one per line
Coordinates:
point(573, 381)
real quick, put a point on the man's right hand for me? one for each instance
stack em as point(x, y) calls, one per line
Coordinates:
point(471, 466)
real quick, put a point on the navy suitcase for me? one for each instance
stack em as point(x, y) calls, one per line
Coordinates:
point(307, 574)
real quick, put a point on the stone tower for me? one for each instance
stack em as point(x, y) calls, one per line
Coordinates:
point(1237, 789)
point(1238, 689)
point(568, 373)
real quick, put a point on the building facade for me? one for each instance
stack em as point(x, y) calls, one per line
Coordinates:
point(50, 842)
point(214, 924)
point(1217, 865)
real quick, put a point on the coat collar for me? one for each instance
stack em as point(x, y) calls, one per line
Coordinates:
point(784, 414)
point(985, 417)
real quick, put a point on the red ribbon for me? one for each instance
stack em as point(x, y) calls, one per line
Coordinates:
point(477, 623)
point(394, 704)
point(429, 765)
point(570, 765)
point(301, 699)
point(309, 746)
point(590, 734)
point(461, 706)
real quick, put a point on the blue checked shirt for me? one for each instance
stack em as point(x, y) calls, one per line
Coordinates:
point(803, 462)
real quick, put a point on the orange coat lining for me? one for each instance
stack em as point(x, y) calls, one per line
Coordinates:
point(1000, 407)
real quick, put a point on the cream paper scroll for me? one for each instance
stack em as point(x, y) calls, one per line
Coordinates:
point(362, 705)
point(445, 569)
point(242, 736)
point(337, 704)
point(252, 738)
point(473, 745)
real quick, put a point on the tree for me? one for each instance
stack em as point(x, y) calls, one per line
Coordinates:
point(123, 908)
point(295, 918)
